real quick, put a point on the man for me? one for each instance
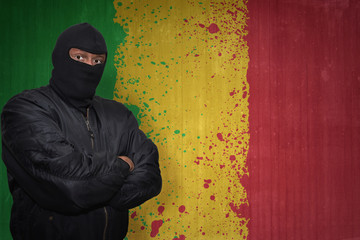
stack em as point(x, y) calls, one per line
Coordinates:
point(76, 162)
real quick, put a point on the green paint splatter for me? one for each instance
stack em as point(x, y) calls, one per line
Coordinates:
point(149, 133)
point(135, 110)
point(133, 80)
point(117, 96)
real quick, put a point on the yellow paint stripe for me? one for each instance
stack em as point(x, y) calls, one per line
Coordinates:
point(182, 69)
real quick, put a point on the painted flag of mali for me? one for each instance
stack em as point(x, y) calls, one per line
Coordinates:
point(254, 106)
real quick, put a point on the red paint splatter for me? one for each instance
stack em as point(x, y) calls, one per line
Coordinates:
point(222, 166)
point(142, 227)
point(232, 158)
point(212, 197)
point(207, 182)
point(241, 211)
point(198, 160)
point(133, 215)
point(182, 208)
point(161, 210)
point(213, 28)
point(219, 54)
point(186, 20)
point(155, 225)
point(234, 14)
point(232, 93)
point(181, 237)
point(220, 136)
point(233, 57)
point(244, 94)
point(196, 55)
point(203, 233)
point(201, 25)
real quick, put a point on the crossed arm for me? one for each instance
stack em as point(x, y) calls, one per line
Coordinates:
point(128, 161)
point(61, 177)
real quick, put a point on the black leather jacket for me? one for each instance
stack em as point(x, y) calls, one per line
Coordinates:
point(63, 170)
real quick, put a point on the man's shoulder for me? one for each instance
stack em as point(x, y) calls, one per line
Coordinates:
point(110, 105)
point(37, 98)
point(113, 110)
point(32, 94)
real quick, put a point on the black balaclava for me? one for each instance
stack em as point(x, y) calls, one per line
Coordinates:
point(75, 81)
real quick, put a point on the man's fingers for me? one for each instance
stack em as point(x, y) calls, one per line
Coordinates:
point(128, 161)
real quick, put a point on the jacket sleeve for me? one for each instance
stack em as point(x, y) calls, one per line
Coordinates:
point(144, 182)
point(52, 170)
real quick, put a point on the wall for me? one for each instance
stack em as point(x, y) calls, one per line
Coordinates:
point(254, 106)
point(180, 66)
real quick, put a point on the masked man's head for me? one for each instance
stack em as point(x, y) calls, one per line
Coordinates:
point(74, 77)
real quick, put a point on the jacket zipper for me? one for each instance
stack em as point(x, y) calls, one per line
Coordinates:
point(87, 122)
point(92, 137)
point(106, 223)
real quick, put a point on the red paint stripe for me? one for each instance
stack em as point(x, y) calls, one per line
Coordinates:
point(304, 156)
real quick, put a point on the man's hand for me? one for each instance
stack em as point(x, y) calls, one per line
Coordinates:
point(128, 161)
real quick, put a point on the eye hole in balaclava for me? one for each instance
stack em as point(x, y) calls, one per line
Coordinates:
point(75, 81)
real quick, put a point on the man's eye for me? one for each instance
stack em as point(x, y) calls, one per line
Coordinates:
point(97, 61)
point(78, 57)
